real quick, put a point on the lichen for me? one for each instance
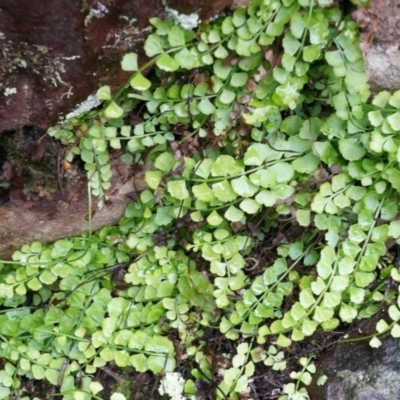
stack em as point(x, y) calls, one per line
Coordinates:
point(187, 21)
point(39, 60)
point(91, 102)
point(173, 385)
point(9, 91)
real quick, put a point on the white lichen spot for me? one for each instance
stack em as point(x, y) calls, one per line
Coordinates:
point(71, 58)
point(9, 91)
point(69, 93)
point(187, 21)
point(172, 384)
point(91, 102)
point(98, 11)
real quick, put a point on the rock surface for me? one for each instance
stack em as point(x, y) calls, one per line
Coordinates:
point(204, 9)
point(356, 371)
point(56, 54)
point(45, 202)
point(380, 22)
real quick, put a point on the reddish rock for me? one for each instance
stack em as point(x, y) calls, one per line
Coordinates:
point(45, 202)
point(56, 54)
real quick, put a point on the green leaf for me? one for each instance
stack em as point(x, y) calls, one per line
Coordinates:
point(153, 179)
point(318, 286)
point(324, 266)
point(309, 327)
point(239, 17)
point(249, 206)
point(364, 279)
point(382, 326)
point(95, 387)
point(290, 44)
point(37, 372)
point(129, 62)
point(226, 165)
point(178, 189)
point(394, 99)
point(339, 283)
point(165, 162)
point(223, 191)
point(233, 214)
point(351, 149)
point(214, 219)
point(283, 341)
point(243, 186)
point(47, 277)
point(139, 82)
point(176, 36)
point(239, 79)
point(311, 53)
point(266, 198)
point(394, 229)
point(152, 46)
point(118, 396)
point(256, 154)
point(159, 344)
point(375, 342)
point(393, 176)
point(4, 392)
point(306, 298)
point(186, 59)
point(331, 299)
point(395, 331)
point(221, 52)
point(375, 118)
point(104, 93)
point(167, 63)
point(380, 233)
point(227, 96)
point(61, 248)
point(206, 107)
point(297, 311)
point(394, 121)
point(357, 234)
point(250, 63)
point(306, 164)
point(164, 215)
point(113, 111)
point(274, 29)
point(87, 156)
point(303, 217)
point(381, 99)
point(297, 25)
point(203, 192)
point(213, 36)
point(334, 58)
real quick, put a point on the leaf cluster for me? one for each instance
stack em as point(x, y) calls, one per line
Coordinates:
point(259, 125)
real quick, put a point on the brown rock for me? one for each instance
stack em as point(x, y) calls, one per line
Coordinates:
point(56, 54)
point(380, 22)
point(53, 204)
